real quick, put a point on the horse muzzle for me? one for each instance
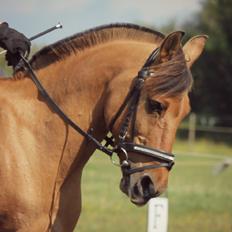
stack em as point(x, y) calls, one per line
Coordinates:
point(140, 191)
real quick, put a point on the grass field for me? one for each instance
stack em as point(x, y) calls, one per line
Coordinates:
point(198, 199)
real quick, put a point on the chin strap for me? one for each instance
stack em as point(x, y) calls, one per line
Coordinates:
point(128, 170)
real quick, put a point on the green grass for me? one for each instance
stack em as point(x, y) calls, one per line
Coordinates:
point(204, 146)
point(198, 199)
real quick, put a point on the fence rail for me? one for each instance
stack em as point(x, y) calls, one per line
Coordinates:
point(214, 129)
point(193, 127)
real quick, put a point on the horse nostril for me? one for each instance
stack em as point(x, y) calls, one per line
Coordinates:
point(136, 190)
point(147, 187)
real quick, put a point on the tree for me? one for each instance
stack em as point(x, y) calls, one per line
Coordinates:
point(212, 94)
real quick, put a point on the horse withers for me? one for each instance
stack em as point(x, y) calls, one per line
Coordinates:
point(103, 80)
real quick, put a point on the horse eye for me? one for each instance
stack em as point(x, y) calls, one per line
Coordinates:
point(154, 106)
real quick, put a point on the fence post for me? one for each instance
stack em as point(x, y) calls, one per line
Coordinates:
point(192, 130)
point(158, 215)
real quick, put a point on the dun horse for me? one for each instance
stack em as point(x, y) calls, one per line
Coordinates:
point(98, 78)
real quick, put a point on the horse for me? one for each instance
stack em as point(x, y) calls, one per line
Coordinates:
point(104, 81)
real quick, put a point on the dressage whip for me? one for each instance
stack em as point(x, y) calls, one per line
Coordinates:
point(57, 26)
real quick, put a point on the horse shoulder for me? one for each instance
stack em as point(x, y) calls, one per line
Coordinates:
point(22, 188)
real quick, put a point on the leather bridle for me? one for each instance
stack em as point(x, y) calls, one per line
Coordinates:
point(129, 106)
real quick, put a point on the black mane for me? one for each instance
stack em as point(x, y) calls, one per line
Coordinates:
point(80, 41)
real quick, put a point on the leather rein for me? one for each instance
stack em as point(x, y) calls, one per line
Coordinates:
point(130, 104)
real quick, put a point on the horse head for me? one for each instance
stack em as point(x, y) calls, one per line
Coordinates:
point(145, 125)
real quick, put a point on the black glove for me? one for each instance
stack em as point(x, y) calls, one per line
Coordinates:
point(15, 43)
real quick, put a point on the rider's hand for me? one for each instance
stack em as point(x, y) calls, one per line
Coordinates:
point(15, 43)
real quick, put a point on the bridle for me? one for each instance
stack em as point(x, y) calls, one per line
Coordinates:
point(130, 104)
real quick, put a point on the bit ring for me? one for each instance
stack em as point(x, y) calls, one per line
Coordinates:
point(124, 162)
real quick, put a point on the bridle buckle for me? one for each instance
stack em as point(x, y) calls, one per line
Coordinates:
point(125, 162)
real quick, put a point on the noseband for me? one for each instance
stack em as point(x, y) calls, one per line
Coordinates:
point(130, 103)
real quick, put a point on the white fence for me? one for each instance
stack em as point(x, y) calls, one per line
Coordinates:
point(206, 125)
point(157, 215)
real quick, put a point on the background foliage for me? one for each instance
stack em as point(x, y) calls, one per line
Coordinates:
point(212, 93)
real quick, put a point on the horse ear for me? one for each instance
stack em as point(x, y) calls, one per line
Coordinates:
point(193, 48)
point(170, 46)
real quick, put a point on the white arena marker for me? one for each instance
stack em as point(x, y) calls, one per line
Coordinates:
point(158, 215)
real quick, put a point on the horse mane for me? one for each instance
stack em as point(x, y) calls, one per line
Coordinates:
point(98, 35)
point(171, 79)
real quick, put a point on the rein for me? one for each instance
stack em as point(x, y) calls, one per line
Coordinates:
point(131, 102)
point(59, 111)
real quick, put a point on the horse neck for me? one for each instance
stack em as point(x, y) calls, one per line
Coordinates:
point(79, 83)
